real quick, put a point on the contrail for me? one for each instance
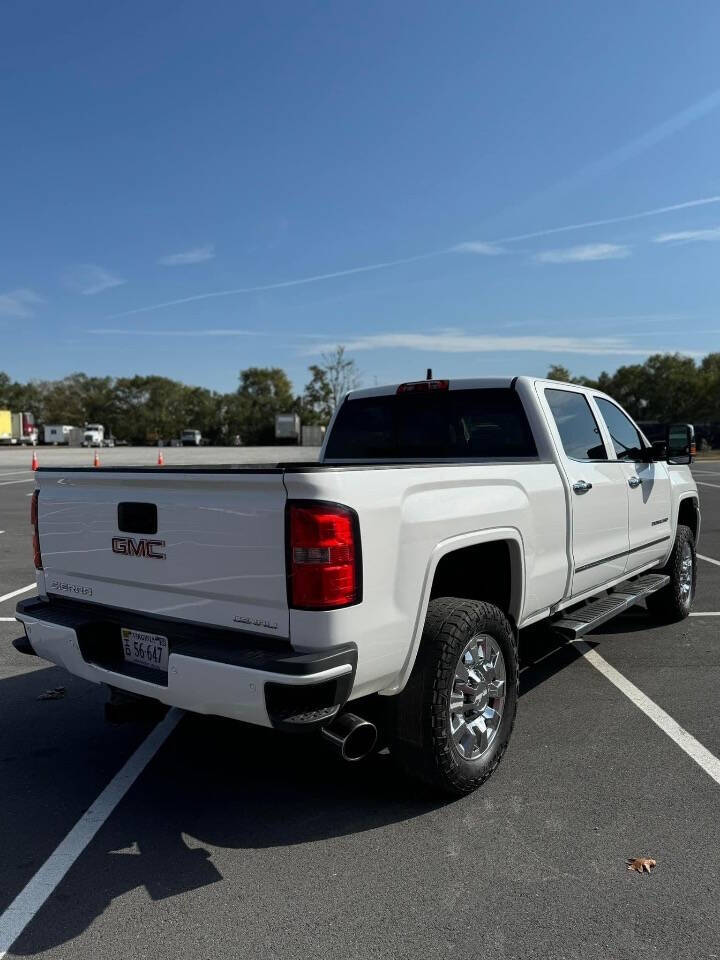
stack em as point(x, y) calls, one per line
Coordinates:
point(284, 283)
point(602, 223)
point(384, 265)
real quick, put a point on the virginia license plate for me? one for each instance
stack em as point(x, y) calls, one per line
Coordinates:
point(146, 649)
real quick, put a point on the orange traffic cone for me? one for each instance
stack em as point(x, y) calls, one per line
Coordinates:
point(34, 464)
point(96, 459)
point(161, 459)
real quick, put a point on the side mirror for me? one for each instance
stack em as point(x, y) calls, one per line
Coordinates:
point(681, 443)
point(659, 451)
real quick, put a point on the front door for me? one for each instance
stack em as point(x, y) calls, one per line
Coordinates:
point(648, 489)
point(598, 492)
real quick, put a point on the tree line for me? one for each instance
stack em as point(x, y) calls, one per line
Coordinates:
point(666, 387)
point(149, 409)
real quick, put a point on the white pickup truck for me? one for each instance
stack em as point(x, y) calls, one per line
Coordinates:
point(442, 518)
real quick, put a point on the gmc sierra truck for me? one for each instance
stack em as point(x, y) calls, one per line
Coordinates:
point(393, 574)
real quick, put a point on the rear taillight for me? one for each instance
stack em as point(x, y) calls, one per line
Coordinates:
point(37, 556)
point(324, 570)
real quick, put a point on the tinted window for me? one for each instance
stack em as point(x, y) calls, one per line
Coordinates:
point(576, 425)
point(626, 440)
point(438, 425)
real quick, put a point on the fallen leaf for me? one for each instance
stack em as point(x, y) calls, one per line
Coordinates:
point(641, 864)
point(57, 693)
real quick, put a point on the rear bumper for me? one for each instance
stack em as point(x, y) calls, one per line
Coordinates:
point(227, 673)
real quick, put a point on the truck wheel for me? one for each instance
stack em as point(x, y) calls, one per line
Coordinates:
point(673, 602)
point(454, 718)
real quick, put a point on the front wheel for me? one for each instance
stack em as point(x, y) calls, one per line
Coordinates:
point(674, 601)
point(454, 718)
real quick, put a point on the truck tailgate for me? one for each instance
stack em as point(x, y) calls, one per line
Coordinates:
point(215, 555)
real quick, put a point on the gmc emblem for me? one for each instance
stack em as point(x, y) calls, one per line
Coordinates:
point(131, 547)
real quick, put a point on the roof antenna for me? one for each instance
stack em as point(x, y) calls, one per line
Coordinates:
point(429, 374)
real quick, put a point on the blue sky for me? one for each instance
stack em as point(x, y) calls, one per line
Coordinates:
point(391, 176)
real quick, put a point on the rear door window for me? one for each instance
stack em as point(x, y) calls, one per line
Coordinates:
point(438, 425)
point(576, 424)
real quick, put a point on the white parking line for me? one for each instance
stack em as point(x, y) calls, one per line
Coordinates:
point(16, 593)
point(709, 560)
point(706, 613)
point(31, 898)
point(7, 619)
point(14, 473)
point(6, 483)
point(704, 483)
point(692, 747)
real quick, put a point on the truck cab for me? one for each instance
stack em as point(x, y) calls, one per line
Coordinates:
point(191, 438)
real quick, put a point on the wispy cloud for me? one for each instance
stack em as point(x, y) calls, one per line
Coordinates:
point(89, 279)
point(688, 236)
point(479, 246)
point(197, 255)
point(219, 332)
point(19, 303)
point(459, 342)
point(584, 253)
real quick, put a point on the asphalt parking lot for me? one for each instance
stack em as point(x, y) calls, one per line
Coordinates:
point(233, 842)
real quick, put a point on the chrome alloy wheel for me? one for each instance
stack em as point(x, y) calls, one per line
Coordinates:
point(477, 697)
point(686, 572)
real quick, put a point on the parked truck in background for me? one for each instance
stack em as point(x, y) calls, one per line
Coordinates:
point(393, 575)
point(287, 427)
point(190, 438)
point(94, 436)
point(6, 434)
point(18, 428)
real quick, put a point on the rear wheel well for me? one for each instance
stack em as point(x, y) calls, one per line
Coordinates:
point(483, 571)
point(687, 514)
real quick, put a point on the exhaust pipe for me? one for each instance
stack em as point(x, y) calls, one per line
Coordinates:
point(352, 737)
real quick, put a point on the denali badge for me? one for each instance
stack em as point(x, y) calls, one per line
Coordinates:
point(138, 548)
point(256, 622)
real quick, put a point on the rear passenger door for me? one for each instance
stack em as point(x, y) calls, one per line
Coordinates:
point(598, 491)
point(648, 488)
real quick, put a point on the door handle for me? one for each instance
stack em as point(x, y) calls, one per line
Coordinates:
point(582, 486)
point(634, 482)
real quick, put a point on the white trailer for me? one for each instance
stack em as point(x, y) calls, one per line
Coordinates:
point(62, 433)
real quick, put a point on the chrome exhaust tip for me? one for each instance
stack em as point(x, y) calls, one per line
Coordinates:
point(352, 737)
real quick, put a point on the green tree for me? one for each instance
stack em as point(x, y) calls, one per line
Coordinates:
point(316, 403)
point(558, 372)
point(263, 393)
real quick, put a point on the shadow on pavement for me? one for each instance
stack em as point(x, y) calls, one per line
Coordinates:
point(226, 785)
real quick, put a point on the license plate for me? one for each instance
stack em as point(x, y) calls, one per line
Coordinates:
point(146, 649)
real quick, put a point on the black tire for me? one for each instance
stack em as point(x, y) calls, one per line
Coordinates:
point(673, 603)
point(421, 736)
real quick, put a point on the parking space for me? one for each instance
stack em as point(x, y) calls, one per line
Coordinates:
point(236, 842)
